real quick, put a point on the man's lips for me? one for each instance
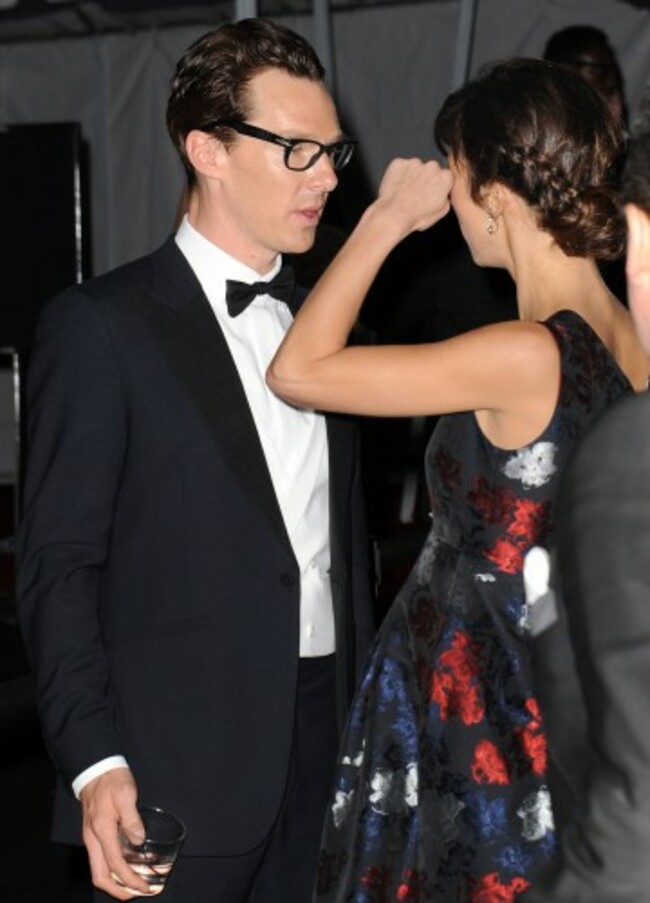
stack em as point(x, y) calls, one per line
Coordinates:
point(311, 214)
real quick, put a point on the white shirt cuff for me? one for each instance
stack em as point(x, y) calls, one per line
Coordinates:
point(95, 770)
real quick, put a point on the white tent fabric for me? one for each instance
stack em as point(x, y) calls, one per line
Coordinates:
point(393, 69)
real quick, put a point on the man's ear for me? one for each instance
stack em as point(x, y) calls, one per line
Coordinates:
point(205, 152)
point(637, 269)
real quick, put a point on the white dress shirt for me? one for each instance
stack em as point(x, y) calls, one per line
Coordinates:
point(294, 442)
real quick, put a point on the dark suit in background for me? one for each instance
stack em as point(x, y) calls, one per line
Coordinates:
point(595, 687)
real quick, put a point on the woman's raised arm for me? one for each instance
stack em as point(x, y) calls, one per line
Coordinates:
point(314, 368)
point(412, 196)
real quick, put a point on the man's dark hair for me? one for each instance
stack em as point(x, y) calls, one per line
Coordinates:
point(548, 136)
point(587, 51)
point(635, 185)
point(568, 44)
point(212, 77)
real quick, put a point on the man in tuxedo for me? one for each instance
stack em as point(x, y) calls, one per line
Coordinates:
point(598, 711)
point(193, 575)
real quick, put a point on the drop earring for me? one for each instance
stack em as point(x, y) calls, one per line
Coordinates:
point(491, 225)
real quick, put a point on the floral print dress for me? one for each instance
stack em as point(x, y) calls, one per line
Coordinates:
point(440, 790)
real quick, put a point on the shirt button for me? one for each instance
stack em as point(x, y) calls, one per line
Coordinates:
point(287, 579)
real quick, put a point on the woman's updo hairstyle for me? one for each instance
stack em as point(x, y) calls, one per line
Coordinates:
point(548, 136)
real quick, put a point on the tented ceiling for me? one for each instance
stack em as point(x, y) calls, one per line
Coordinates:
point(393, 64)
point(28, 19)
point(32, 19)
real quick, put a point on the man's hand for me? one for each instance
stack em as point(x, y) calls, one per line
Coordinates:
point(109, 805)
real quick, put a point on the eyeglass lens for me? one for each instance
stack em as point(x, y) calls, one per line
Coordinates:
point(305, 154)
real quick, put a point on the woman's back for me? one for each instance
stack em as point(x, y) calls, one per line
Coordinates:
point(474, 483)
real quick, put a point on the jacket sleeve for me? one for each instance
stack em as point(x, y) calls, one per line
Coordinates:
point(604, 569)
point(76, 439)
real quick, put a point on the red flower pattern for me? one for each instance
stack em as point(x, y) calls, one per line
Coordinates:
point(489, 889)
point(454, 685)
point(533, 739)
point(377, 879)
point(495, 505)
point(528, 521)
point(413, 886)
point(507, 556)
point(489, 765)
point(523, 522)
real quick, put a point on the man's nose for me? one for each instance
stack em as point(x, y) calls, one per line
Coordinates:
point(322, 174)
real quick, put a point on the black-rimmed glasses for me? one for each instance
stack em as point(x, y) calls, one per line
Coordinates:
point(299, 153)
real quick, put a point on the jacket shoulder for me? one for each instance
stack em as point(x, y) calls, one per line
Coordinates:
point(139, 274)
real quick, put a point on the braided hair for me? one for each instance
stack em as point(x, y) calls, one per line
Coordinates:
point(548, 136)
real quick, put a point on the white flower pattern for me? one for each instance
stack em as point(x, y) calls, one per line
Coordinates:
point(533, 465)
point(357, 761)
point(394, 791)
point(536, 814)
point(341, 806)
point(411, 786)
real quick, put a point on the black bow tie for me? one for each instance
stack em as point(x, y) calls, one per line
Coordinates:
point(240, 294)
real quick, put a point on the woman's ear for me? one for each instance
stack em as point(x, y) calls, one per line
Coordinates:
point(205, 152)
point(492, 199)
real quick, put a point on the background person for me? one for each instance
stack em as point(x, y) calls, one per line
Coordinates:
point(586, 50)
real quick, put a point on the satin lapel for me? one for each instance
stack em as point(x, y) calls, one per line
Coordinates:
point(198, 353)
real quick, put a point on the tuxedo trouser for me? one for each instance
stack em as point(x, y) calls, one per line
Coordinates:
point(283, 868)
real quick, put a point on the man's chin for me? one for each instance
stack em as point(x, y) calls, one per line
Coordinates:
point(300, 245)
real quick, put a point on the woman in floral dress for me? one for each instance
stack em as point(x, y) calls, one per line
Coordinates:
point(440, 791)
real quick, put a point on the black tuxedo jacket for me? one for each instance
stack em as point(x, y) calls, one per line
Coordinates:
point(158, 591)
point(594, 667)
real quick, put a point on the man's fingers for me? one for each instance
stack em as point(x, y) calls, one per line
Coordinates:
point(102, 827)
point(100, 873)
point(131, 826)
point(114, 850)
point(109, 805)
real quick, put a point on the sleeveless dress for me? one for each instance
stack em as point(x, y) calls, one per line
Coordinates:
point(440, 791)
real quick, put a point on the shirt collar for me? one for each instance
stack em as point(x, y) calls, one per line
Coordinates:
point(212, 265)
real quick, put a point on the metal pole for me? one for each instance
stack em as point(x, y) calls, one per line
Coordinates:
point(245, 9)
point(464, 34)
point(323, 40)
